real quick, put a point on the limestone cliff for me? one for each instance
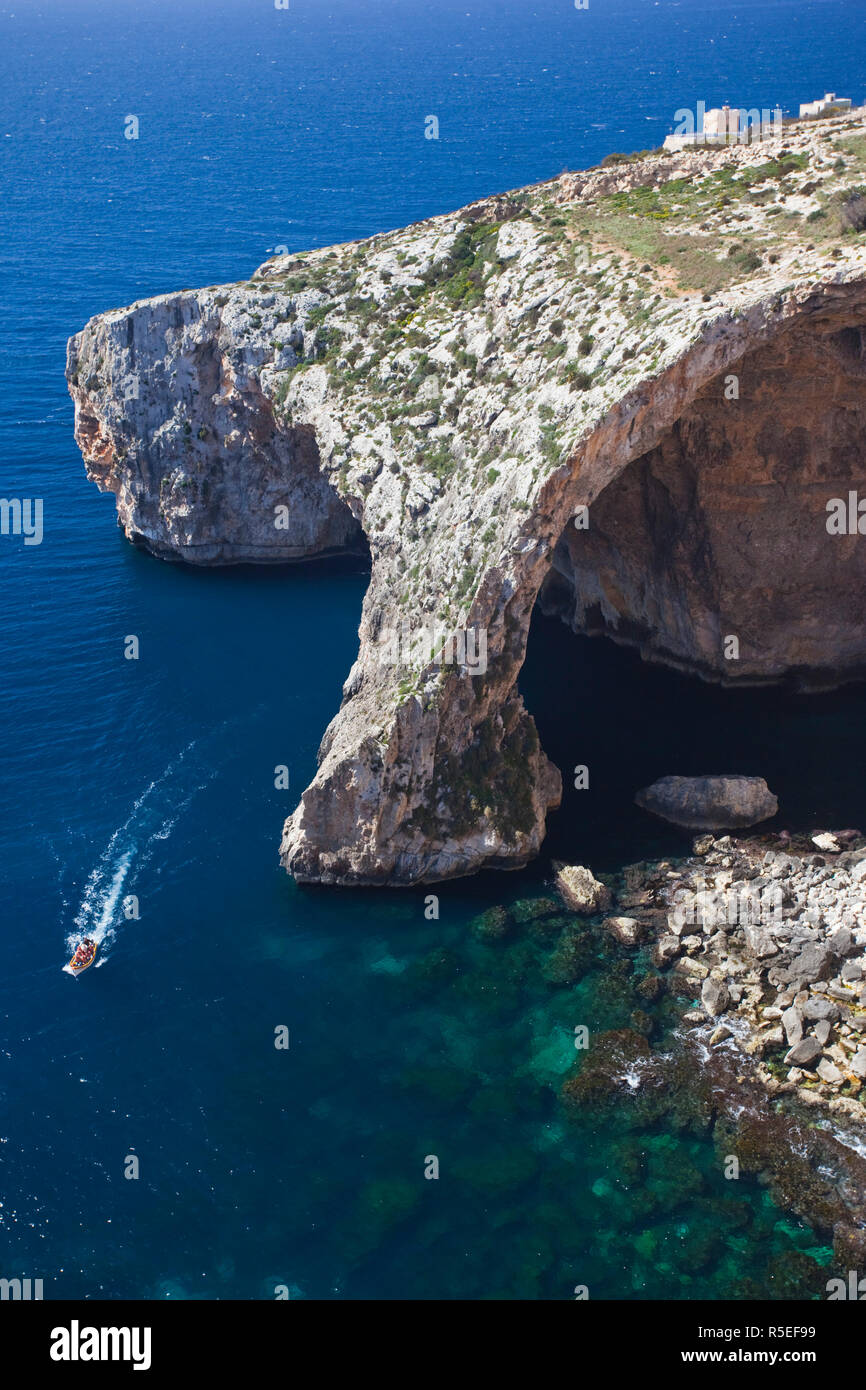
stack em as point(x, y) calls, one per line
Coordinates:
point(632, 390)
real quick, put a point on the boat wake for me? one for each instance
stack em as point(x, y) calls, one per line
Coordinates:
point(107, 898)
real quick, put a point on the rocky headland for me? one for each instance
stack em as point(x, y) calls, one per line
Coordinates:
point(628, 394)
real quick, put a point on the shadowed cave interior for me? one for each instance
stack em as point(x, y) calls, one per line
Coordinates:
point(630, 722)
point(721, 529)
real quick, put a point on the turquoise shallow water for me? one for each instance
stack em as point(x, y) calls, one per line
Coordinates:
point(408, 1037)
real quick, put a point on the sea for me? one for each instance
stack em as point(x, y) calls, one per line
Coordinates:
point(245, 1096)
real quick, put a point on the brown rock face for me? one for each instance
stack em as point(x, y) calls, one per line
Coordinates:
point(720, 530)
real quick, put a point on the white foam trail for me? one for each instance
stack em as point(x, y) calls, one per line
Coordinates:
point(130, 847)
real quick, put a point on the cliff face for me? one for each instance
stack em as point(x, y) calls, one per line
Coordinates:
point(469, 393)
point(171, 417)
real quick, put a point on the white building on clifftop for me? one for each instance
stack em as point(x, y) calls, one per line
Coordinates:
point(723, 125)
point(828, 102)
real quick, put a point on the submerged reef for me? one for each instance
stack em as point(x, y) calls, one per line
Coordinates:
point(589, 1115)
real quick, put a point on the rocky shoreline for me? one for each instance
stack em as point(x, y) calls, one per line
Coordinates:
point(761, 941)
point(771, 934)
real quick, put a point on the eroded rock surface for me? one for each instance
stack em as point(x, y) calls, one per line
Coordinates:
point(458, 395)
point(709, 803)
point(581, 890)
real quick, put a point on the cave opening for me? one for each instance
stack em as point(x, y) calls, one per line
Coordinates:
point(719, 532)
point(598, 704)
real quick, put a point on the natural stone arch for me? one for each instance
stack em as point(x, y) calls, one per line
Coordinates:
point(313, 377)
point(359, 821)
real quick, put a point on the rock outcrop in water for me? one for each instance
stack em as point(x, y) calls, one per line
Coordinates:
point(709, 803)
point(633, 392)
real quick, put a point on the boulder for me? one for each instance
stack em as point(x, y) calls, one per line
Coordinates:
point(692, 968)
point(581, 891)
point(759, 941)
point(858, 1063)
point(827, 842)
point(792, 1023)
point(709, 803)
point(818, 1007)
point(666, 949)
point(813, 963)
point(805, 1053)
point(829, 1072)
point(627, 930)
point(714, 996)
point(842, 942)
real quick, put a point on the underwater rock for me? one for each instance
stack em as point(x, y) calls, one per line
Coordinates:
point(529, 910)
point(793, 1274)
point(448, 1086)
point(497, 1172)
point(432, 972)
point(613, 1056)
point(494, 924)
point(801, 1164)
point(642, 1022)
point(849, 1246)
point(548, 928)
point(572, 957)
point(383, 1204)
point(651, 988)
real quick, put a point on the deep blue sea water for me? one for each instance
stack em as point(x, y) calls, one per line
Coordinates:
point(305, 127)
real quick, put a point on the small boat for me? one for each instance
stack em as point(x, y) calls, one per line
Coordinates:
point(85, 955)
